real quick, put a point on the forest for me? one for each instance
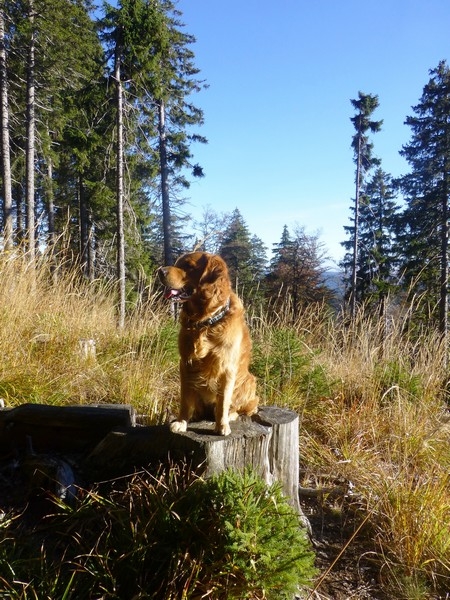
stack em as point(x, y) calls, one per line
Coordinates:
point(98, 141)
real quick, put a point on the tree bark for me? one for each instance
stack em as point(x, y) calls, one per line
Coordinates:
point(50, 205)
point(30, 142)
point(443, 297)
point(268, 443)
point(120, 190)
point(354, 281)
point(84, 228)
point(109, 444)
point(6, 155)
point(165, 199)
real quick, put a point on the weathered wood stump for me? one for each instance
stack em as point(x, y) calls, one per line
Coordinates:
point(267, 442)
point(108, 443)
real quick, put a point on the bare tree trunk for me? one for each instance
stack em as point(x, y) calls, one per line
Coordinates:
point(120, 191)
point(443, 299)
point(51, 220)
point(165, 200)
point(20, 213)
point(6, 156)
point(49, 192)
point(356, 234)
point(91, 250)
point(30, 144)
point(84, 228)
point(50, 205)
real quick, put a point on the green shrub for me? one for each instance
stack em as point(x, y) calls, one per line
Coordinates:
point(282, 361)
point(169, 538)
point(245, 538)
point(393, 377)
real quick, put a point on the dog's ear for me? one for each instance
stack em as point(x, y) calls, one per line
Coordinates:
point(215, 268)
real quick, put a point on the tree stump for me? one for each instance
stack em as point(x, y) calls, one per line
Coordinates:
point(268, 442)
point(105, 442)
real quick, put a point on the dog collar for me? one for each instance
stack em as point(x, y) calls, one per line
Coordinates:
point(214, 319)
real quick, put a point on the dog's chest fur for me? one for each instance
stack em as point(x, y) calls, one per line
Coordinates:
point(198, 345)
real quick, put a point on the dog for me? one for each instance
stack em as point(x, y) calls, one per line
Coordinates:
point(214, 343)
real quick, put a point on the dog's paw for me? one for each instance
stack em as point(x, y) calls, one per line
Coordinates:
point(223, 429)
point(178, 426)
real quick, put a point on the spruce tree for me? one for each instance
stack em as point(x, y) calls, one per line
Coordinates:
point(236, 251)
point(296, 277)
point(378, 220)
point(365, 105)
point(245, 257)
point(426, 189)
point(51, 61)
point(169, 91)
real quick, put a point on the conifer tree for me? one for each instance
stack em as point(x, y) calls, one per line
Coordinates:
point(70, 162)
point(51, 62)
point(161, 78)
point(365, 105)
point(297, 272)
point(244, 255)
point(378, 221)
point(171, 89)
point(236, 251)
point(426, 189)
point(5, 139)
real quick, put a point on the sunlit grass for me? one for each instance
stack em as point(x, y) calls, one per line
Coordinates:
point(372, 397)
point(42, 323)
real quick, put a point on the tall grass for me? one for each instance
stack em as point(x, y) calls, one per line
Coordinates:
point(374, 403)
point(42, 323)
point(372, 397)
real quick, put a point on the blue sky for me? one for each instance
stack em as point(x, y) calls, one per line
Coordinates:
point(277, 110)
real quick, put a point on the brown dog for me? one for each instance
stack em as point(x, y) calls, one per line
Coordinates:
point(214, 343)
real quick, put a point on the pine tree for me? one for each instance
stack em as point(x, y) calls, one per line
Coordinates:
point(365, 105)
point(426, 188)
point(245, 257)
point(297, 273)
point(378, 220)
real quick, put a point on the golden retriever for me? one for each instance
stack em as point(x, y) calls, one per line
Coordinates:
point(214, 343)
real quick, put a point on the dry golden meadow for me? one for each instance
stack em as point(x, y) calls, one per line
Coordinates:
point(372, 399)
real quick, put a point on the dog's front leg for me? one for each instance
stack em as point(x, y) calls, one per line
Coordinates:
point(187, 404)
point(224, 398)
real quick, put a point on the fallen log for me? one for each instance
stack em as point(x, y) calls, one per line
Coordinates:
point(64, 429)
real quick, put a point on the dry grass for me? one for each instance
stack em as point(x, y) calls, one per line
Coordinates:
point(42, 323)
point(384, 428)
point(372, 398)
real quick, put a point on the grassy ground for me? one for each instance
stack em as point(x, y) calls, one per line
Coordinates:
point(375, 426)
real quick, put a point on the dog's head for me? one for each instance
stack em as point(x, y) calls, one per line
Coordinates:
point(198, 277)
